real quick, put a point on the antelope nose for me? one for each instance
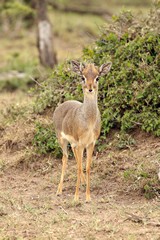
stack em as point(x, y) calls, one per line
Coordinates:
point(90, 90)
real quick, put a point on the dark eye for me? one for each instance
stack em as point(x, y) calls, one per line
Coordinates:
point(97, 79)
point(83, 79)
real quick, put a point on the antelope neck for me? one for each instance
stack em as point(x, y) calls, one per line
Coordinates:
point(90, 108)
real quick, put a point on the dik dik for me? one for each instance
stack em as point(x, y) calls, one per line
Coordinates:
point(80, 123)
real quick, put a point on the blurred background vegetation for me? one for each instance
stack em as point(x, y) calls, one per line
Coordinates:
point(75, 25)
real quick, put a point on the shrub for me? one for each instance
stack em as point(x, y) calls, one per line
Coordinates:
point(45, 140)
point(131, 92)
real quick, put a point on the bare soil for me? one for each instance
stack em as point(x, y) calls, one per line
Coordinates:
point(30, 209)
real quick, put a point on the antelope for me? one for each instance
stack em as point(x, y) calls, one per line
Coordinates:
point(80, 123)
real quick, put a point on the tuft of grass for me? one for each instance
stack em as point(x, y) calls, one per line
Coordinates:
point(124, 141)
point(13, 113)
point(143, 180)
point(148, 190)
point(2, 165)
point(74, 204)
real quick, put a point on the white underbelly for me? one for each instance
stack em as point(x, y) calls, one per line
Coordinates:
point(85, 140)
point(69, 138)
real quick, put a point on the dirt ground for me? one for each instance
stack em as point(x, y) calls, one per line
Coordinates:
point(30, 209)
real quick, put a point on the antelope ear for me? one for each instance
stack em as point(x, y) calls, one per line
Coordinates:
point(105, 68)
point(77, 66)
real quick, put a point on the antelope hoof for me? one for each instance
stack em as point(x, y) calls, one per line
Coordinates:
point(59, 192)
point(88, 199)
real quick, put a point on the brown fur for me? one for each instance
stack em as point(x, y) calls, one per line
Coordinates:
point(90, 72)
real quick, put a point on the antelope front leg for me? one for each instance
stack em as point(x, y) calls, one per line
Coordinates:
point(78, 156)
point(90, 149)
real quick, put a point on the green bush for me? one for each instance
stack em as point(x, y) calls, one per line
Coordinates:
point(131, 91)
point(45, 140)
point(129, 97)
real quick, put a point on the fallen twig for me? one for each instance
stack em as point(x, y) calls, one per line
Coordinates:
point(36, 81)
point(63, 210)
point(137, 219)
point(134, 218)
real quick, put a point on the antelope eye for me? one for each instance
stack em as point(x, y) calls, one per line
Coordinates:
point(97, 79)
point(83, 79)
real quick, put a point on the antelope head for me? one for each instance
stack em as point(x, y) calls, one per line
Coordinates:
point(90, 75)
